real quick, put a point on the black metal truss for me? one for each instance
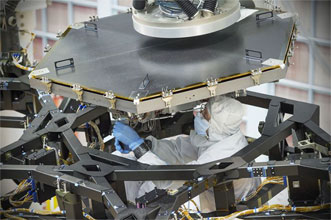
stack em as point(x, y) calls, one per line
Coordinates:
point(100, 176)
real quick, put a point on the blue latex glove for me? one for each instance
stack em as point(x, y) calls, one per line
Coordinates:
point(124, 149)
point(126, 135)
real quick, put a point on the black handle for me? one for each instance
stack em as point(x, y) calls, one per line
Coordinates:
point(264, 15)
point(59, 66)
point(253, 54)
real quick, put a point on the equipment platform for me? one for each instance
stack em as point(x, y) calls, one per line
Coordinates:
point(107, 63)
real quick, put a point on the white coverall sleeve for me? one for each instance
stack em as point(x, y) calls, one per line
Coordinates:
point(174, 152)
point(168, 152)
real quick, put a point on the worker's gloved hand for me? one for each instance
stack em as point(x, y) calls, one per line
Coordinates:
point(124, 149)
point(126, 135)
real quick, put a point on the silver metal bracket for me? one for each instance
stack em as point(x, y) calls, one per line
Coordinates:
point(167, 96)
point(240, 93)
point(59, 34)
point(111, 98)
point(211, 86)
point(47, 83)
point(79, 91)
point(290, 54)
point(136, 100)
point(256, 75)
point(47, 48)
point(307, 144)
point(94, 18)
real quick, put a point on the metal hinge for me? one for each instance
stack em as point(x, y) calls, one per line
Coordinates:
point(256, 75)
point(79, 91)
point(211, 86)
point(167, 96)
point(111, 98)
point(47, 83)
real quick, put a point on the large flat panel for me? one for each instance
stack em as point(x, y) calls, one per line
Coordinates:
point(117, 58)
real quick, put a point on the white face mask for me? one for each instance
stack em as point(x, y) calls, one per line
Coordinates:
point(201, 125)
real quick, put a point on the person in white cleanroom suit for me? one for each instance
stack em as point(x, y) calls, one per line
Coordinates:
point(216, 135)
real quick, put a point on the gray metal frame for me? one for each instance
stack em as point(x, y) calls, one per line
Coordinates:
point(179, 101)
point(105, 184)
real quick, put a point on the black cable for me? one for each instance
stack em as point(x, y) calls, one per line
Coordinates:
point(138, 4)
point(189, 9)
point(209, 5)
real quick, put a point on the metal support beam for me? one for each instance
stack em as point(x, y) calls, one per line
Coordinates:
point(224, 197)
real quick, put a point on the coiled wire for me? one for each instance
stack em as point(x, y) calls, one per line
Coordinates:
point(172, 9)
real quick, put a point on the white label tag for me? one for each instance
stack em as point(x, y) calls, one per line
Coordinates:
point(274, 62)
point(39, 72)
point(285, 15)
